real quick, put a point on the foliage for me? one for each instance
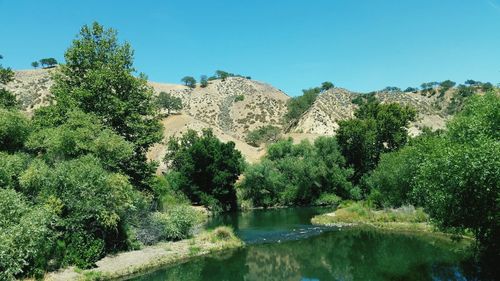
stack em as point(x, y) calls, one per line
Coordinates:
point(189, 81)
point(204, 168)
point(361, 212)
point(445, 86)
point(177, 223)
point(298, 105)
point(325, 86)
point(297, 174)
point(11, 166)
point(7, 99)
point(48, 62)
point(98, 78)
point(457, 170)
point(25, 236)
point(464, 179)
point(264, 134)
point(168, 102)
point(391, 183)
point(92, 205)
point(378, 128)
point(14, 130)
point(203, 81)
point(411, 90)
point(35, 64)
point(6, 74)
point(239, 98)
point(79, 135)
point(391, 89)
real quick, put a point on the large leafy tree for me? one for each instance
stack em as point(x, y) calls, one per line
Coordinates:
point(98, 78)
point(168, 102)
point(378, 128)
point(205, 168)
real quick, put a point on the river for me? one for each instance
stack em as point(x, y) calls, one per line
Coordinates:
point(283, 245)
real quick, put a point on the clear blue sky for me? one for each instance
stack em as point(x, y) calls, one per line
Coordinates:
point(292, 44)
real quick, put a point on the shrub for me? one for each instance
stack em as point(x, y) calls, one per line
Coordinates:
point(26, 240)
point(264, 134)
point(175, 224)
point(239, 98)
point(327, 199)
point(7, 99)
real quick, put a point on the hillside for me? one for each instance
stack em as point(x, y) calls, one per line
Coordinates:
point(337, 104)
point(235, 106)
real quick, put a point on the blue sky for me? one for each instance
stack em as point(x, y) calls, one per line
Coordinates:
point(291, 44)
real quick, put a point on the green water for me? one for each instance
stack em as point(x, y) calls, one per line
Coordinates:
point(282, 245)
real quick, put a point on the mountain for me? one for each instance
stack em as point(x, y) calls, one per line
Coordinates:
point(339, 104)
point(235, 106)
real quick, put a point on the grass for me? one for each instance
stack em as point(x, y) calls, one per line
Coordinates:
point(405, 218)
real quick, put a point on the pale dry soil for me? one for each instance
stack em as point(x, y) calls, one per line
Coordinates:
point(129, 263)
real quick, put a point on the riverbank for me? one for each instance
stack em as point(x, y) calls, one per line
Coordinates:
point(133, 262)
point(357, 214)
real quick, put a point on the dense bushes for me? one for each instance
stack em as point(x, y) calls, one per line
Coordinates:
point(205, 169)
point(298, 174)
point(14, 129)
point(454, 176)
point(25, 236)
point(174, 224)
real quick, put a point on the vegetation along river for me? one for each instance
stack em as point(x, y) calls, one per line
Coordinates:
point(283, 245)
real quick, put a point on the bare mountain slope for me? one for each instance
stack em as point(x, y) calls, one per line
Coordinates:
point(337, 104)
point(236, 105)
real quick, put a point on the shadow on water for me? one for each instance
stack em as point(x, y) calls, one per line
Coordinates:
point(326, 254)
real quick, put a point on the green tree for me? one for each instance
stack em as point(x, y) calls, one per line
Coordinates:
point(298, 174)
point(168, 102)
point(203, 81)
point(463, 178)
point(98, 78)
point(378, 128)
point(35, 64)
point(6, 74)
point(48, 62)
point(14, 130)
point(325, 86)
point(81, 134)
point(205, 169)
point(298, 105)
point(220, 74)
point(189, 81)
point(358, 142)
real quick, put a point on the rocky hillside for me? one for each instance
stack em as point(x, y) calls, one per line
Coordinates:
point(338, 104)
point(235, 106)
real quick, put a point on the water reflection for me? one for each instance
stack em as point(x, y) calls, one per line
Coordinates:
point(340, 255)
